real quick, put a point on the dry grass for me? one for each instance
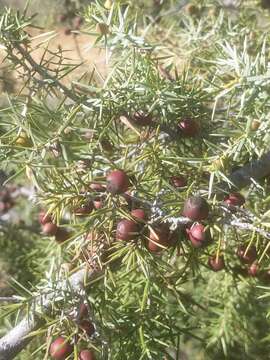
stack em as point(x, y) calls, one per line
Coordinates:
point(76, 49)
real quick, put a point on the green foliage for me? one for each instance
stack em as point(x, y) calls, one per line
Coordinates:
point(208, 66)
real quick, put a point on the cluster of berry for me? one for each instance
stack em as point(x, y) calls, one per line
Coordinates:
point(61, 347)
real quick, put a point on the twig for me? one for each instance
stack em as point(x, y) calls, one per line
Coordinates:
point(41, 71)
point(15, 340)
point(9, 299)
point(175, 222)
point(248, 226)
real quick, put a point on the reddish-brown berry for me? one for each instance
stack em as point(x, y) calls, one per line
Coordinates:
point(178, 181)
point(44, 218)
point(49, 229)
point(117, 182)
point(82, 312)
point(139, 214)
point(198, 236)
point(234, 199)
point(253, 269)
point(173, 238)
point(159, 236)
point(87, 355)
point(216, 264)
point(6, 201)
point(141, 118)
point(98, 203)
point(247, 256)
point(87, 327)
point(127, 230)
point(97, 187)
point(84, 209)
point(153, 247)
point(196, 208)
point(62, 235)
point(188, 127)
point(60, 348)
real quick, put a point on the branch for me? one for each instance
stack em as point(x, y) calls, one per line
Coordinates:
point(44, 74)
point(9, 299)
point(14, 341)
point(247, 226)
point(178, 221)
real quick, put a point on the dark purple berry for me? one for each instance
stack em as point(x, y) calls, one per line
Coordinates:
point(117, 182)
point(234, 199)
point(188, 127)
point(60, 348)
point(247, 256)
point(142, 119)
point(216, 264)
point(87, 355)
point(198, 236)
point(139, 214)
point(178, 181)
point(159, 235)
point(196, 208)
point(49, 229)
point(87, 327)
point(126, 230)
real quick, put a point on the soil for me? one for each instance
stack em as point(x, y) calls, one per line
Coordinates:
point(76, 48)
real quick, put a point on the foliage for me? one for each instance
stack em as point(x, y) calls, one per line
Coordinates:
point(210, 65)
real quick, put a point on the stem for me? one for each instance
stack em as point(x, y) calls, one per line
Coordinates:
point(247, 226)
point(17, 338)
point(41, 71)
point(9, 299)
point(13, 342)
